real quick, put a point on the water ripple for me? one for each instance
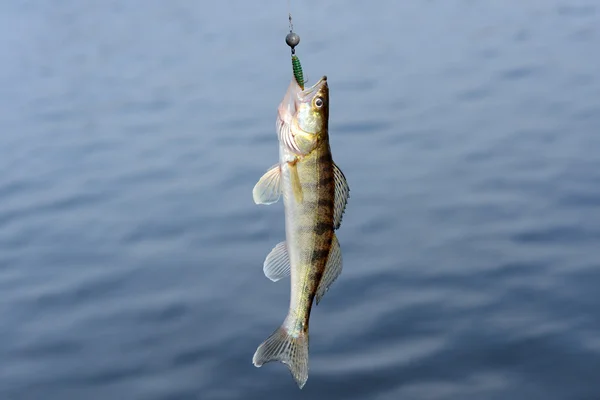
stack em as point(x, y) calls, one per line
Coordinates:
point(518, 73)
point(131, 251)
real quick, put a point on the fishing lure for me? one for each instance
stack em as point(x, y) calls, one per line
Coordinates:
point(298, 71)
point(292, 39)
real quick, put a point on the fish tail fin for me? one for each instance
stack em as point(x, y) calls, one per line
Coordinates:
point(292, 350)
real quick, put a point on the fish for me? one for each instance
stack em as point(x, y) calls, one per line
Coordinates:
point(315, 194)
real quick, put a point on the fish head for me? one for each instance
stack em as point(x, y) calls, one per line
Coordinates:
point(312, 116)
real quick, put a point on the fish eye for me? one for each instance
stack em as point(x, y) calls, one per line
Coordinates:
point(319, 102)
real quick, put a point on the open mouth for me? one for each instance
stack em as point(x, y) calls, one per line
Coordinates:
point(319, 83)
point(314, 88)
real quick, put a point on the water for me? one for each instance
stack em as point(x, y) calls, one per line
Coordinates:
point(131, 252)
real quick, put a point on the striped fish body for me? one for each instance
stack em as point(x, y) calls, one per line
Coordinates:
point(315, 194)
point(309, 227)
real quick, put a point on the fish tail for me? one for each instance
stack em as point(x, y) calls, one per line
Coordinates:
point(292, 350)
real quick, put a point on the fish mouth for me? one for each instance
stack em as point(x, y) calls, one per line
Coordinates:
point(320, 83)
point(308, 93)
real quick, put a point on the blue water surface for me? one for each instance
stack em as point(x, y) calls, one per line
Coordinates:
point(132, 133)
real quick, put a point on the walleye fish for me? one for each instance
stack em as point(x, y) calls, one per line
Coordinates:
point(315, 194)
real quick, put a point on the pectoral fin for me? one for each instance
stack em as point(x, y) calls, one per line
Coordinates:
point(296, 186)
point(333, 269)
point(277, 263)
point(342, 193)
point(268, 188)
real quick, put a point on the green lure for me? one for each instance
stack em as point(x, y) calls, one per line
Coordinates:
point(298, 71)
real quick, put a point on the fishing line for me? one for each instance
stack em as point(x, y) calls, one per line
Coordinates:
point(290, 15)
point(292, 39)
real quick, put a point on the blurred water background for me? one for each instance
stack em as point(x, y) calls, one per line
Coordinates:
point(132, 133)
